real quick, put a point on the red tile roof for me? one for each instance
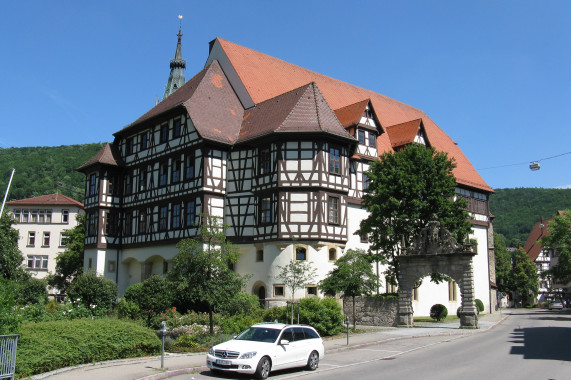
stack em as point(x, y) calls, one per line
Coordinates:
point(532, 246)
point(47, 200)
point(351, 114)
point(266, 77)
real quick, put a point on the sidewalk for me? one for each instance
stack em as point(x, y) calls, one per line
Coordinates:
point(149, 368)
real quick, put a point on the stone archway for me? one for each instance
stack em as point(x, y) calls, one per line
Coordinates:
point(435, 250)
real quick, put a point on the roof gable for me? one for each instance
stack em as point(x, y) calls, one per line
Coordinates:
point(406, 133)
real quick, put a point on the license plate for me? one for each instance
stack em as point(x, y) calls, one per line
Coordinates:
point(223, 362)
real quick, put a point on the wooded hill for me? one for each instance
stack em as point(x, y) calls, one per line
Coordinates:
point(517, 210)
point(45, 170)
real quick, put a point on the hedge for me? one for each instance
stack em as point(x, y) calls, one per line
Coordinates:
point(47, 346)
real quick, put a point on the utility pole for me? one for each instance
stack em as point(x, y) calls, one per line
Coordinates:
point(7, 190)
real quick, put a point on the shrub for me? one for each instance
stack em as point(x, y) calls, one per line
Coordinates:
point(152, 296)
point(238, 323)
point(97, 293)
point(9, 320)
point(31, 291)
point(241, 304)
point(47, 346)
point(127, 309)
point(479, 305)
point(185, 343)
point(325, 315)
point(438, 312)
point(275, 314)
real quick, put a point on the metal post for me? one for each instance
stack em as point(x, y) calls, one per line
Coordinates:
point(163, 333)
point(7, 191)
point(347, 323)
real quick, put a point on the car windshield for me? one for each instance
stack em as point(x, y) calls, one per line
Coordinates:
point(259, 334)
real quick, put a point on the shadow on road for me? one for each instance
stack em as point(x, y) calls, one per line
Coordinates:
point(530, 343)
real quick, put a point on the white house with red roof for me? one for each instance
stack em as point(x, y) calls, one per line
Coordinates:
point(280, 153)
point(41, 222)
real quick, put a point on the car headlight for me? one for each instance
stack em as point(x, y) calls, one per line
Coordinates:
point(248, 355)
point(211, 351)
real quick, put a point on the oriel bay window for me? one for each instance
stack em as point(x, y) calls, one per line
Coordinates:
point(334, 160)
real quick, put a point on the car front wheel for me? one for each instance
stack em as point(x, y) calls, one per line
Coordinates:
point(313, 361)
point(264, 367)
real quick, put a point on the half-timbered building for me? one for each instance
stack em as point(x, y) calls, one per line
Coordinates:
point(278, 151)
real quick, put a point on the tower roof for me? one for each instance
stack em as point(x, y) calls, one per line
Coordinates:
point(177, 65)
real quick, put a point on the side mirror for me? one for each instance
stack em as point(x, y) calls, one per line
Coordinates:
point(284, 342)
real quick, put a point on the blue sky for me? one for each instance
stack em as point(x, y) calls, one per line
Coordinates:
point(494, 75)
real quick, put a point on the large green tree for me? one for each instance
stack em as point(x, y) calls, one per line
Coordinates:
point(406, 190)
point(69, 263)
point(202, 271)
point(352, 276)
point(559, 240)
point(503, 263)
point(10, 256)
point(523, 279)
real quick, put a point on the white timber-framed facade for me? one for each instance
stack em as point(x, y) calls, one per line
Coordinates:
point(280, 156)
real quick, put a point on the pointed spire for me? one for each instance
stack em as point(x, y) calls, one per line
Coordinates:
point(177, 65)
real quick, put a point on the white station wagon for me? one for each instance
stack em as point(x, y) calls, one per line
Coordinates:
point(266, 347)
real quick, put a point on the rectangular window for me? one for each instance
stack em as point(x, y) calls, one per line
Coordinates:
point(92, 184)
point(65, 216)
point(190, 213)
point(111, 266)
point(175, 174)
point(365, 182)
point(38, 262)
point(334, 160)
point(189, 166)
point(142, 179)
point(361, 137)
point(372, 139)
point(163, 173)
point(415, 294)
point(311, 290)
point(92, 224)
point(164, 136)
point(128, 224)
point(265, 211)
point(176, 129)
point(260, 255)
point(33, 216)
point(16, 215)
point(163, 218)
point(265, 161)
point(128, 184)
point(452, 292)
point(333, 210)
point(46, 241)
point(176, 215)
point(165, 267)
point(48, 216)
point(143, 143)
point(25, 216)
point(130, 144)
point(142, 222)
point(390, 288)
point(62, 239)
point(279, 291)
point(41, 216)
point(31, 239)
point(332, 254)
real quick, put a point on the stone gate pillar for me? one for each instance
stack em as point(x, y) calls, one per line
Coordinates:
point(469, 313)
point(405, 312)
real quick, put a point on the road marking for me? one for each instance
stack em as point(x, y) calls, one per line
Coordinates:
point(370, 349)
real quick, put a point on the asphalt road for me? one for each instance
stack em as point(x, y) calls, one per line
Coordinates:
point(531, 344)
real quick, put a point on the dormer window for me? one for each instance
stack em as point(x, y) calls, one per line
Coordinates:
point(372, 139)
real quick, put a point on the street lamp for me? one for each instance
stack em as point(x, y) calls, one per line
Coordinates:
point(163, 333)
point(347, 323)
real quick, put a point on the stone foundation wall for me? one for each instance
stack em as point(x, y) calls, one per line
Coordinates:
point(372, 311)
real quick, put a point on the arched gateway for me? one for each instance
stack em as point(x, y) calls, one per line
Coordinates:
point(435, 250)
